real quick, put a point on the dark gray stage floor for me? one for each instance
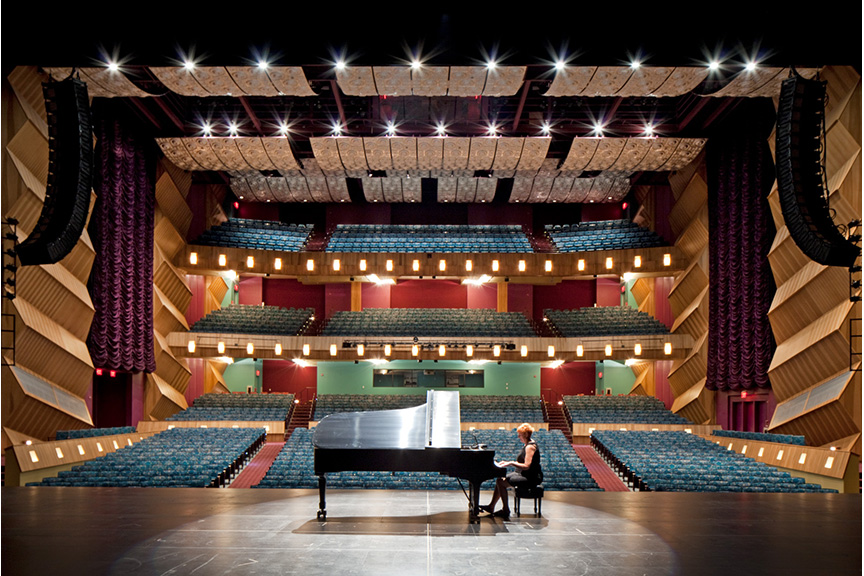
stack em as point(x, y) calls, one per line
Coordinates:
point(174, 531)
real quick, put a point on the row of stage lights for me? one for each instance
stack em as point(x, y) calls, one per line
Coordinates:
point(416, 348)
point(389, 266)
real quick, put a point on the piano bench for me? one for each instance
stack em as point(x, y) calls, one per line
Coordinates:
point(529, 492)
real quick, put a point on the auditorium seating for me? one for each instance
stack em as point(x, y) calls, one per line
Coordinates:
point(93, 432)
point(472, 408)
point(249, 319)
point(601, 235)
point(681, 462)
point(257, 234)
point(450, 322)
point(562, 468)
point(604, 321)
point(430, 238)
point(762, 437)
point(181, 457)
point(620, 409)
point(242, 407)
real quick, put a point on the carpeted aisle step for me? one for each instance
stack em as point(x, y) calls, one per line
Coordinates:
point(258, 467)
point(599, 470)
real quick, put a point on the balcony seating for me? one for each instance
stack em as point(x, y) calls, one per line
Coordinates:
point(429, 238)
point(512, 409)
point(250, 319)
point(681, 462)
point(620, 410)
point(602, 235)
point(604, 321)
point(241, 407)
point(93, 432)
point(181, 457)
point(257, 235)
point(762, 437)
point(562, 468)
point(448, 322)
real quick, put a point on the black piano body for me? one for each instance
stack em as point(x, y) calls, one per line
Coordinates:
point(424, 438)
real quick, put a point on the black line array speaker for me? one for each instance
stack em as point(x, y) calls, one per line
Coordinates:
point(800, 181)
point(70, 174)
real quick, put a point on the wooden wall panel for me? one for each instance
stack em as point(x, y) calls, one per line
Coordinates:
point(214, 381)
point(166, 236)
point(801, 299)
point(161, 400)
point(688, 205)
point(785, 258)
point(696, 404)
point(170, 280)
point(172, 370)
point(59, 295)
point(693, 320)
point(172, 202)
point(692, 241)
point(693, 368)
point(166, 317)
point(690, 284)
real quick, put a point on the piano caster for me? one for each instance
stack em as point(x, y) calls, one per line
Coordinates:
point(322, 515)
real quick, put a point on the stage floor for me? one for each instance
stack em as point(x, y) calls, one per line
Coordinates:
point(176, 531)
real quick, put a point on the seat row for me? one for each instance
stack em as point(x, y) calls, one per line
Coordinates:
point(762, 437)
point(180, 457)
point(681, 462)
point(442, 238)
point(603, 321)
point(473, 408)
point(241, 407)
point(451, 322)
point(562, 468)
point(251, 319)
point(604, 235)
point(93, 432)
point(257, 234)
point(620, 409)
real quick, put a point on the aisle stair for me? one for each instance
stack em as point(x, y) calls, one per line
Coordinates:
point(299, 417)
point(558, 419)
point(253, 472)
point(599, 470)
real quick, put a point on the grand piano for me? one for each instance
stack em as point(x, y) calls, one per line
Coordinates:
point(424, 438)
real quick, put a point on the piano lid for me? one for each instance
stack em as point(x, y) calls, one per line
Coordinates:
point(431, 425)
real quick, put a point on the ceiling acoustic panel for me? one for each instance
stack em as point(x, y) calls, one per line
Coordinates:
point(357, 81)
point(372, 189)
point(581, 189)
point(504, 81)
point(456, 153)
point(180, 81)
point(682, 80)
point(466, 189)
point(299, 189)
point(607, 153)
point(228, 154)
point(290, 81)
point(686, 151)
point(326, 152)
point(412, 189)
point(522, 184)
point(430, 153)
point(280, 154)
point(217, 81)
point(507, 153)
point(482, 153)
point(447, 189)
point(338, 187)
point(467, 81)
point(242, 153)
point(391, 188)
point(645, 81)
point(253, 152)
point(634, 152)
point(235, 80)
point(430, 81)
point(486, 189)
point(403, 153)
point(561, 187)
point(177, 153)
point(542, 187)
point(659, 154)
point(252, 81)
point(202, 153)
point(101, 82)
point(533, 153)
point(377, 151)
point(318, 188)
point(352, 154)
point(392, 80)
point(571, 81)
point(279, 189)
point(608, 81)
point(240, 188)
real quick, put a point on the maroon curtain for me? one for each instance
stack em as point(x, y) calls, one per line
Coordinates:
point(121, 228)
point(740, 342)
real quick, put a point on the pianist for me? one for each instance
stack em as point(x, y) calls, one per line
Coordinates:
point(528, 473)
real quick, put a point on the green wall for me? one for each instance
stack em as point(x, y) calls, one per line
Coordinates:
point(617, 376)
point(241, 374)
point(517, 379)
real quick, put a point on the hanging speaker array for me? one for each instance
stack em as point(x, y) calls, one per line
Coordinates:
point(70, 165)
point(801, 174)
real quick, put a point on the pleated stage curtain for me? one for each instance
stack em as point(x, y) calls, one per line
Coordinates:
point(121, 229)
point(741, 287)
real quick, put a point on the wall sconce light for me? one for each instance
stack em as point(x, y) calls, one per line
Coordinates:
point(332, 350)
point(580, 351)
point(193, 258)
point(250, 261)
point(469, 265)
point(495, 266)
point(337, 265)
point(310, 265)
point(277, 349)
point(387, 350)
point(277, 264)
point(223, 260)
point(191, 346)
point(415, 265)
point(524, 351)
point(637, 261)
point(548, 265)
point(637, 349)
point(469, 350)
point(250, 348)
point(361, 349)
point(496, 351)
point(667, 348)
point(389, 265)
point(363, 265)
point(521, 265)
point(550, 351)
point(609, 263)
point(580, 265)
point(667, 259)
point(220, 347)
point(608, 350)
point(306, 349)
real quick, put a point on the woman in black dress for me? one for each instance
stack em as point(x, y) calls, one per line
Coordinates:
point(528, 473)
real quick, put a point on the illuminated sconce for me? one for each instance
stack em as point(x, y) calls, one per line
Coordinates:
point(548, 265)
point(608, 350)
point(496, 351)
point(362, 265)
point(829, 462)
point(524, 351)
point(469, 350)
point(193, 258)
point(415, 265)
point(223, 260)
point(803, 458)
point(495, 266)
point(387, 350)
point(637, 262)
point(667, 259)
point(667, 348)
point(99, 444)
point(191, 346)
point(310, 265)
point(521, 265)
point(442, 265)
point(415, 350)
point(277, 264)
point(277, 349)
point(779, 454)
point(469, 265)
point(220, 347)
point(337, 265)
point(580, 265)
point(81, 450)
point(34, 457)
point(637, 349)
point(550, 351)
point(250, 348)
point(609, 263)
point(361, 349)
point(442, 350)
point(332, 350)
point(250, 262)
point(59, 452)
point(389, 265)
point(580, 351)
point(305, 349)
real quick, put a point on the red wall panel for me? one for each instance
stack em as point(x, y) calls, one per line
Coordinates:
point(374, 296)
point(289, 293)
point(608, 292)
point(250, 291)
point(336, 297)
point(195, 311)
point(286, 376)
point(428, 294)
point(568, 379)
point(565, 295)
point(485, 296)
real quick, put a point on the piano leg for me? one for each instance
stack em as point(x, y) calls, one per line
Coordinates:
point(474, 504)
point(322, 504)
